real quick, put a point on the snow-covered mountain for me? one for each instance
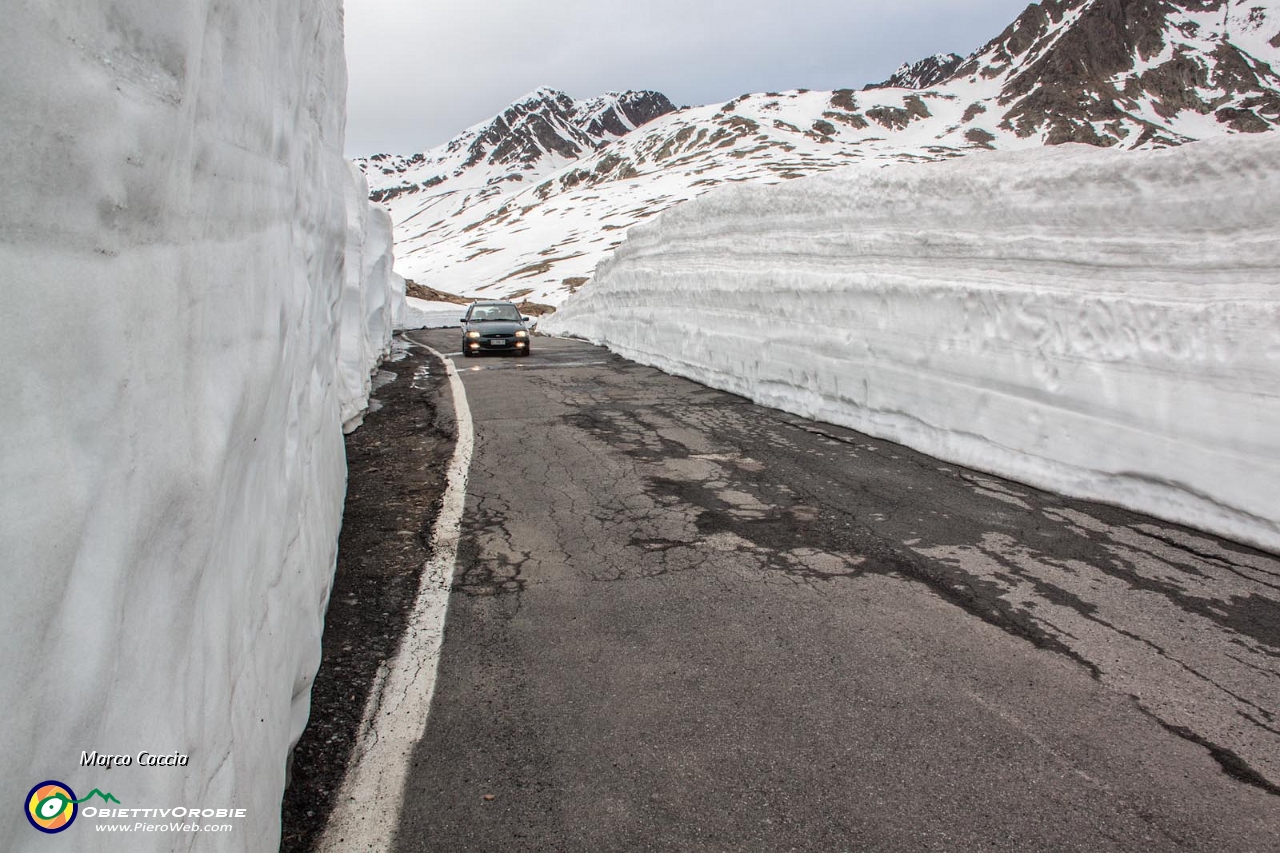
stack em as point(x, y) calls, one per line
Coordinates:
point(536, 135)
point(526, 205)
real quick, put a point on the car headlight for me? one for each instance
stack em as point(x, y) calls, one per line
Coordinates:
point(473, 334)
point(522, 334)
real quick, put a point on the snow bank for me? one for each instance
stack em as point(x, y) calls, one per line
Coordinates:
point(1101, 324)
point(426, 314)
point(368, 313)
point(172, 254)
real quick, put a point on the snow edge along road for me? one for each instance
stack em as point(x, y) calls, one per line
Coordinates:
point(369, 802)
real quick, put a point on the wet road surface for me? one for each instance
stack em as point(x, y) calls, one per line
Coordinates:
point(682, 622)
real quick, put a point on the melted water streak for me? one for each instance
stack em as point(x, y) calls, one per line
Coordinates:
point(1187, 628)
point(711, 507)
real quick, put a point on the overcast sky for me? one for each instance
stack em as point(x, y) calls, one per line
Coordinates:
point(421, 71)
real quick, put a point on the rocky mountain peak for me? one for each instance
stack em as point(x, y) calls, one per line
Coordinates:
point(928, 72)
point(616, 114)
point(537, 124)
point(547, 121)
point(534, 133)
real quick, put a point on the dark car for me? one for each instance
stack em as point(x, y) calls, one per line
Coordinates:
point(494, 327)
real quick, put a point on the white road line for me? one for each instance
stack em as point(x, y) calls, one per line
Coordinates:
point(368, 806)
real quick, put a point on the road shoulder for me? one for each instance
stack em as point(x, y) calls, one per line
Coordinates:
point(396, 467)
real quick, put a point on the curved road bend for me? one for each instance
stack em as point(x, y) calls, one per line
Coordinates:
point(684, 622)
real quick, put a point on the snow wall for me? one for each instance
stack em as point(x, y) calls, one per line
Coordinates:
point(1100, 324)
point(368, 313)
point(194, 294)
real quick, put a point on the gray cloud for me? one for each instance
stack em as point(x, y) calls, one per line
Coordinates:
point(421, 72)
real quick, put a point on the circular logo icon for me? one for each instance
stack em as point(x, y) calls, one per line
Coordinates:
point(51, 806)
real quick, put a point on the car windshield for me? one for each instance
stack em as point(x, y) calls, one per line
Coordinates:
point(507, 313)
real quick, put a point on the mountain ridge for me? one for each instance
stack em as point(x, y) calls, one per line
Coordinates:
point(534, 129)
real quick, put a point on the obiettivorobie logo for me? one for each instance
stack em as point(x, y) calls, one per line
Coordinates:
point(52, 806)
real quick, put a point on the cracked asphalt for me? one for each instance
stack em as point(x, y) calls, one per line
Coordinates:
point(683, 622)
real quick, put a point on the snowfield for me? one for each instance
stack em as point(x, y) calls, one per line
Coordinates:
point(1098, 323)
point(194, 293)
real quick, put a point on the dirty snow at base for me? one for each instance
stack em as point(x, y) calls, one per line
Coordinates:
point(194, 294)
point(1101, 324)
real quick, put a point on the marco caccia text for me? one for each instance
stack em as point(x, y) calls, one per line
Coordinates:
point(142, 759)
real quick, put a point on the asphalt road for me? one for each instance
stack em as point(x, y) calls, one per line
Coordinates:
point(683, 622)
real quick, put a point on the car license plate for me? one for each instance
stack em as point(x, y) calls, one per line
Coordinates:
point(499, 343)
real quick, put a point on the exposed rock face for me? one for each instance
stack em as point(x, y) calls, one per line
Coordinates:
point(529, 129)
point(1081, 70)
point(618, 115)
point(921, 75)
point(897, 118)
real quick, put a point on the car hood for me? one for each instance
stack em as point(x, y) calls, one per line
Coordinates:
point(495, 327)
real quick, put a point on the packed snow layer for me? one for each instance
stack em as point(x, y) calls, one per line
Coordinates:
point(1098, 323)
point(173, 252)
